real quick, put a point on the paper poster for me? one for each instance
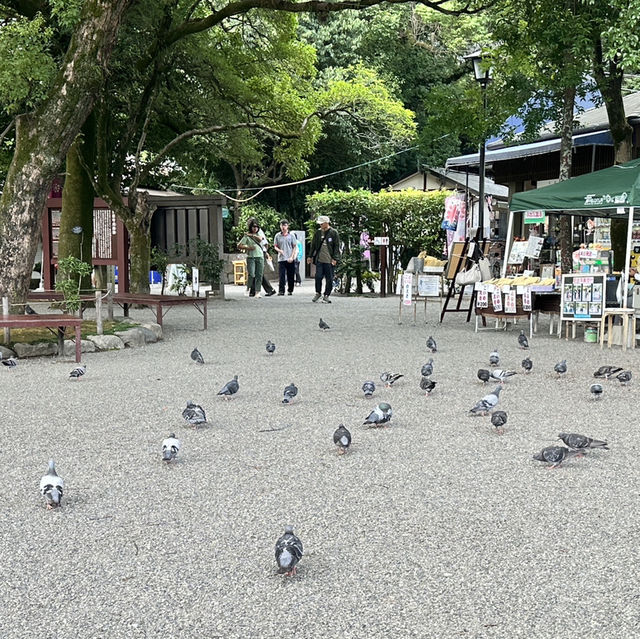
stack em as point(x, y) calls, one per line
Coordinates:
point(428, 285)
point(518, 252)
point(526, 300)
point(407, 288)
point(534, 246)
point(510, 302)
point(496, 300)
point(482, 298)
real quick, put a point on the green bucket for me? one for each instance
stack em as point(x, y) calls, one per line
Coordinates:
point(591, 335)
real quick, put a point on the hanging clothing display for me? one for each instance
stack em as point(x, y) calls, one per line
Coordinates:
point(454, 221)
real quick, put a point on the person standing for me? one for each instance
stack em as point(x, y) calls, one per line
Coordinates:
point(250, 243)
point(325, 251)
point(296, 263)
point(286, 246)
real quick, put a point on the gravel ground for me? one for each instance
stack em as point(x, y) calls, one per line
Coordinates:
point(433, 527)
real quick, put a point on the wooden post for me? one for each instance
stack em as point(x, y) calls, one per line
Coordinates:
point(5, 311)
point(110, 301)
point(383, 271)
point(99, 312)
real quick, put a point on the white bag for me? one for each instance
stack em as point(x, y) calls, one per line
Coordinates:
point(469, 276)
point(269, 261)
point(485, 269)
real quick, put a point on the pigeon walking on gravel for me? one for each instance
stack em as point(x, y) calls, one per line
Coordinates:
point(500, 375)
point(323, 325)
point(170, 448)
point(494, 358)
point(624, 378)
point(78, 372)
point(196, 356)
point(194, 414)
point(605, 372)
point(271, 347)
point(368, 388)
point(389, 379)
point(555, 455)
point(523, 342)
point(484, 375)
point(51, 487)
point(487, 403)
point(230, 388)
point(289, 551)
point(427, 385)
point(596, 390)
point(527, 365)
point(581, 442)
point(342, 439)
point(561, 367)
point(431, 344)
point(11, 362)
point(427, 369)
point(379, 416)
point(289, 393)
point(499, 419)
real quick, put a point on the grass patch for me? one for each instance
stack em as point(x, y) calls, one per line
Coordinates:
point(43, 334)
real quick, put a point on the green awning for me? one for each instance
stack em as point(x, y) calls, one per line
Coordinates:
point(600, 193)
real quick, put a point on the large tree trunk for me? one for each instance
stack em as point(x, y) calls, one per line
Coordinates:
point(44, 137)
point(566, 156)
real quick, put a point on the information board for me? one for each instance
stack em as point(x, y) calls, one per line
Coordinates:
point(582, 296)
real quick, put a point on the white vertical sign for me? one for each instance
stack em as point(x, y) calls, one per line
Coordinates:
point(407, 288)
point(195, 280)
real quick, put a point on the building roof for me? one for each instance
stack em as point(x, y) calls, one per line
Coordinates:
point(461, 179)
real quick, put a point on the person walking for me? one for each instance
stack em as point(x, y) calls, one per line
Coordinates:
point(286, 246)
point(325, 251)
point(250, 243)
point(266, 284)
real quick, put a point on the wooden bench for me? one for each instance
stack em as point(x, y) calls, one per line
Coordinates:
point(47, 321)
point(159, 302)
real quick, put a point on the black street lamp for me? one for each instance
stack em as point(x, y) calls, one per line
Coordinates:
point(482, 74)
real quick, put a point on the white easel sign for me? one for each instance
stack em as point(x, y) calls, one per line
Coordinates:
point(407, 288)
point(195, 280)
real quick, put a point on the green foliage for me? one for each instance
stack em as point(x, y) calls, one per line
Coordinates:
point(67, 13)
point(70, 273)
point(196, 254)
point(160, 262)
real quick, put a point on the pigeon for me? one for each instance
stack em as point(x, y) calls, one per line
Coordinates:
point(527, 364)
point(624, 378)
point(487, 403)
point(51, 487)
point(342, 439)
point(607, 371)
point(28, 310)
point(596, 390)
point(499, 419)
point(427, 369)
point(170, 448)
point(196, 356)
point(501, 375)
point(271, 347)
point(10, 363)
point(368, 388)
point(78, 372)
point(390, 378)
point(561, 367)
point(288, 552)
point(431, 344)
point(523, 342)
point(194, 414)
point(484, 375)
point(289, 393)
point(323, 325)
point(580, 442)
point(427, 385)
point(555, 455)
point(230, 388)
point(379, 416)
point(494, 358)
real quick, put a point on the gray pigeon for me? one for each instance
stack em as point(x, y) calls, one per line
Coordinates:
point(51, 487)
point(427, 369)
point(499, 419)
point(561, 367)
point(606, 372)
point(10, 363)
point(500, 375)
point(194, 414)
point(230, 388)
point(494, 358)
point(427, 385)
point(523, 342)
point(555, 455)
point(289, 551)
point(78, 372)
point(170, 448)
point(323, 325)
point(368, 388)
point(389, 379)
point(289, 393)
point(527, 364)
point(342, 439)
point(581, 442)
point(487, 403)
point(196, 356)
point(484, 375)
point(596, 390)
point(431, 344)
point(379, 416)
point(624, 378)
point(271, 347)
point(28, 310)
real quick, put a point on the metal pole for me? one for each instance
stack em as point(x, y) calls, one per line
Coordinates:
point(482, 164)
point(5, 311)
point(507, 245)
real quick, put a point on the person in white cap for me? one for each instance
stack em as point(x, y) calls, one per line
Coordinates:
point(325, 252)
